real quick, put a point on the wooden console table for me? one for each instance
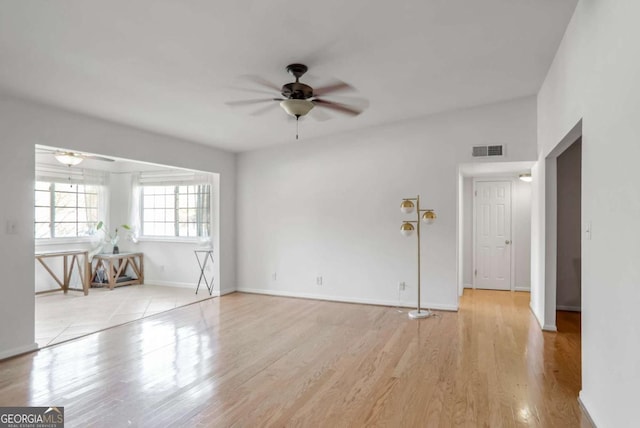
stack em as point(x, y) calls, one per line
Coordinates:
point(114, 267)
point(68, 268)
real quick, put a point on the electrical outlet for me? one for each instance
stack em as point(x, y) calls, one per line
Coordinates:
point(402, 286)
point(319, 280)
point(12, 228)
point(274, 276)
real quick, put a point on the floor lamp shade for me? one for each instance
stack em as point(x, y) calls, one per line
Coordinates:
point(407, 229)
point(407, 206)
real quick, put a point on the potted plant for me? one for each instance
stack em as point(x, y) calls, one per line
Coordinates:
point(112, 238)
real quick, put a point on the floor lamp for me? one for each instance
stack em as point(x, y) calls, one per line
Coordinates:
point(428, 216)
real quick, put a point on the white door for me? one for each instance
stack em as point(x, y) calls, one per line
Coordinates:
point(492, 227)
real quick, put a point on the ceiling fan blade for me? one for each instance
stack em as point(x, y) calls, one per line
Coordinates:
point(98, 158)
point(335, 87)
point(249, 102)
point(252, 90)
point(264, 110)
point(342, 108)
point(320, 115)
point(262, 82)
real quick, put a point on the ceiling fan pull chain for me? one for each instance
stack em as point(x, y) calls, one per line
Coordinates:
point(297, 117)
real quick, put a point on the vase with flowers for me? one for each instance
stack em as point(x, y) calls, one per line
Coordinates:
point(114, 237)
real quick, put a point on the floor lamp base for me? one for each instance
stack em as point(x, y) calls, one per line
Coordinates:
point(422, 313)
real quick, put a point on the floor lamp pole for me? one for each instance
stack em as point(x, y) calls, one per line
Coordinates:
point(419, 264)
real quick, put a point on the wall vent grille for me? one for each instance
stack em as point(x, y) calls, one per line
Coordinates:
point(488, 151)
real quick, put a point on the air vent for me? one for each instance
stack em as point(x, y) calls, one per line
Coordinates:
point(487, 151)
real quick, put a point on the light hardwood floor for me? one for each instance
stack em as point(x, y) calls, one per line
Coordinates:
point(249, 360)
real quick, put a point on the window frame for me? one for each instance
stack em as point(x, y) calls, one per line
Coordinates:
point(52, 238)
point(200, 225)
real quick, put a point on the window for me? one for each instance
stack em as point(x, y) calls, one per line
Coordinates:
point(65, 210)
point(176, 211)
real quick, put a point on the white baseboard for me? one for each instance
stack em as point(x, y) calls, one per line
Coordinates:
point(545, 327)
point(585, 410)
point(17, 351)
point(189, 285)
point(569, 308)
point(514, 288)
point(172, 283)
point(535, 316)
point(378, 302)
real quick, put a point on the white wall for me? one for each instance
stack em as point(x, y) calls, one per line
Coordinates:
point(537, 300)
point(522, 235)
point(467, 240)
point(521, 227)
point(594, 77)
point(330, 207)
point(25, 124)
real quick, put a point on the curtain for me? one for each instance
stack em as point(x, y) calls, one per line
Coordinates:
point(134, 208)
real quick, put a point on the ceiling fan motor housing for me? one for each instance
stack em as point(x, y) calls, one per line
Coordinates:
point(297, 70)
point(297, 91)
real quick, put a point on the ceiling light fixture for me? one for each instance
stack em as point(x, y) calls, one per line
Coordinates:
point(526, 177)
point(297, 108)
point(68, 158)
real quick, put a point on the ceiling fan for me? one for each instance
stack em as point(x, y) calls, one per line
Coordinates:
point(297, 98)
point(70, 158)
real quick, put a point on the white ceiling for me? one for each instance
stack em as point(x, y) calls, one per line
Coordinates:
point(169, 66)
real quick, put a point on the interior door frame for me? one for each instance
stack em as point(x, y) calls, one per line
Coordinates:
point(512, 183)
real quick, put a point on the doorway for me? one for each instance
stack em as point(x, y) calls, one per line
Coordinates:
point(569, 241)
point(156, 216)
point(550, 252)
point(518, 174)
point(492, 235)
point(569, 246)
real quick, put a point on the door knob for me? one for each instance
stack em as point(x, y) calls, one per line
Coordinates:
point(507, 242)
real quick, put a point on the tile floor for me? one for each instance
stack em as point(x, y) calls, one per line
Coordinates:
point(61, 317)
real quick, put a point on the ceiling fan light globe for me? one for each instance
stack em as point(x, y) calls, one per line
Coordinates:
point(69, 159)
point(296, 108)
